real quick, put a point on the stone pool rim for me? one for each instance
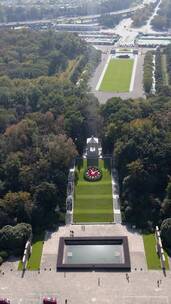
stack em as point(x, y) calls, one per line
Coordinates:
point(126, 266)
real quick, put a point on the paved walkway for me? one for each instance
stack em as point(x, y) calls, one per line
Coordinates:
point(83, 287)
point(116, 201)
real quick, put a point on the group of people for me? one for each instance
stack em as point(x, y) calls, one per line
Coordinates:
point(71, 233)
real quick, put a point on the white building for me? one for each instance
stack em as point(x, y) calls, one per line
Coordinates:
point(93, 148)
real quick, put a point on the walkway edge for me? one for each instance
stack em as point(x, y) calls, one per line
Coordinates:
point(133, 74)
point(103, 73)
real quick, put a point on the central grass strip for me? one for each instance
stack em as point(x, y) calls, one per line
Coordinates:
point(37, 248)
point(35, 258)
point(153, 261)
point(117, 77)
point(93, 200)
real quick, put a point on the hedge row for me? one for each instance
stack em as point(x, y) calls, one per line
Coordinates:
point(159, 76)
point(77, 69)
point(148, 71)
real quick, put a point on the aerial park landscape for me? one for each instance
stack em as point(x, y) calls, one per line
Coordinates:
point(85, 187)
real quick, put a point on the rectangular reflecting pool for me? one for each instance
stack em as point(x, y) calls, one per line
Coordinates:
point(110, 253)
point(93, 254)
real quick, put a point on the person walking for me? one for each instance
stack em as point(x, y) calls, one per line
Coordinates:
point(127, 277)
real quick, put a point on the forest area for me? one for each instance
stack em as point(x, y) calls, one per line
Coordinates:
point(138, 132)
point(163, 71)
point(141, 16)
point(162, 21)
point(43, 127)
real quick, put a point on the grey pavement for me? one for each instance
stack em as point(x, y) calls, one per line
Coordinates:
point(116, 200)
point(82, 287)
point(118, 218)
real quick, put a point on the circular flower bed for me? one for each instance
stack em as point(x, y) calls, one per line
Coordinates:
point(93, 174)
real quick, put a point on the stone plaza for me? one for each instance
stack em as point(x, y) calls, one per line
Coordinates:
point(139, 287)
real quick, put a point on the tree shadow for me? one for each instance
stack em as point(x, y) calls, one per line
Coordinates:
point(108, 163)
point(93, 162)
point(79, 163)
point(12, 259)
point(48, 234)
point(130, 228)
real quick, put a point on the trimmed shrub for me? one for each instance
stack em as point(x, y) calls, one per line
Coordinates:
point(13, 239)
point(4, 254)
point(1, 260)
point(166, 232)
point(148, 71)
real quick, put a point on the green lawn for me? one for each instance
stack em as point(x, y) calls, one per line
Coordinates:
point(35, 258)
point(153, 261)
point(93, 200)
point(118, 76)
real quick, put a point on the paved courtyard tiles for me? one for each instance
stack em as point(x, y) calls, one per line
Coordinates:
point(83, 287)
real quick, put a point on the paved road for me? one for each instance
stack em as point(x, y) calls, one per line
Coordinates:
point(128, 33)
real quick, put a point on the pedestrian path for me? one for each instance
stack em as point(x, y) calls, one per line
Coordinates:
point(115, 195)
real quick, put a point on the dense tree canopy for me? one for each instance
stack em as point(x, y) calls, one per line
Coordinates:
point(28, 54)
point(163, 71)
point(166, 232)
point(13, 239)
point(148, 71)
point(141, 16)
point(162, 21)
point(110, 21)
point(43, 125)
point(139, 132)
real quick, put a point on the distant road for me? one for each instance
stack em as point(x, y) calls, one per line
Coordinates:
point(19, 23)
point(125, 11)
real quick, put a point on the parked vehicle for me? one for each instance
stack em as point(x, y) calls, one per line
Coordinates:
point(49, 300)
point(4, 301)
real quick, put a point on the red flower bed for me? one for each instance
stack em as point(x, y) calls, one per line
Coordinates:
point(93, 174)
